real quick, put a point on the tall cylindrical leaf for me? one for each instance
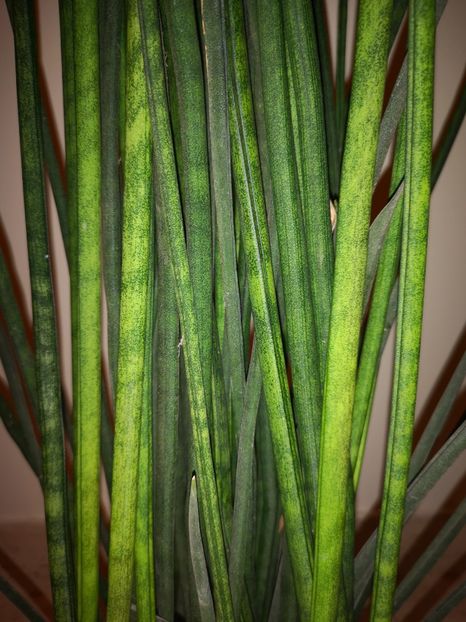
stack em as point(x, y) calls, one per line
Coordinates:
point(86, 391)
point(136, 240)
point(346, 314)
point(47, 367)
point(167, 183)
point(411, 298)
point(250, 193)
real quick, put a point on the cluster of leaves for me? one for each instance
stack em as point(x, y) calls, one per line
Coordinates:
point(204, 146)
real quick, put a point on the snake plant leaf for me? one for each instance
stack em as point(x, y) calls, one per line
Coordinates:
point(24, 423)
point(346, 314)
point(396, 104)
point(69, 113)
point(300, 329)
point(52, 165)
point(301, 47)
point(246, 310)
point(248, 186)
point(220, 435)
point(431, 555)
point(201, 576)
point(185, 591)
point(87, 387)
point(334, 161)
point(381, 318)
point(383, 307)
point(440, 155)
point(253, 58)
point(284, 604)
point(269, 519)
point(244, 496)
point(134, 306)
point(51, 158)
point(12, 426)
point(17, 357)
point(377, 233)
point(18, 600)
point(391, 117)
point(341, 102)
point(417, 490)
point(453, 599)
point(204, 142)
point(375, 331)
point(398, 13)
point(45, 338)
point(111, 16)
point(144, 538)
point(213, 30)
point(454, 123)
point(437, 419)
point(186, 91)
point(166, 179)
point(166, 407)
point(411, 298)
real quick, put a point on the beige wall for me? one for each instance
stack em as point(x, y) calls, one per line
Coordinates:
point(445, 288)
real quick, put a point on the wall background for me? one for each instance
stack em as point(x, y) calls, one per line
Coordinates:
point(445, 299)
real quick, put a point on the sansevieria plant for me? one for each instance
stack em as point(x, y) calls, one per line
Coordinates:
point(216, 192)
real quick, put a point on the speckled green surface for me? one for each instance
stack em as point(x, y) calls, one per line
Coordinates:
point(411, 299)
point(165, 177)
point(136, 242)
point(213, 138)
point(87, 388)
point(264, 306)
point(350, 261)
point(45, 337)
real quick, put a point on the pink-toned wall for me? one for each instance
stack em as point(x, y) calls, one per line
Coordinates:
point(445, 300)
